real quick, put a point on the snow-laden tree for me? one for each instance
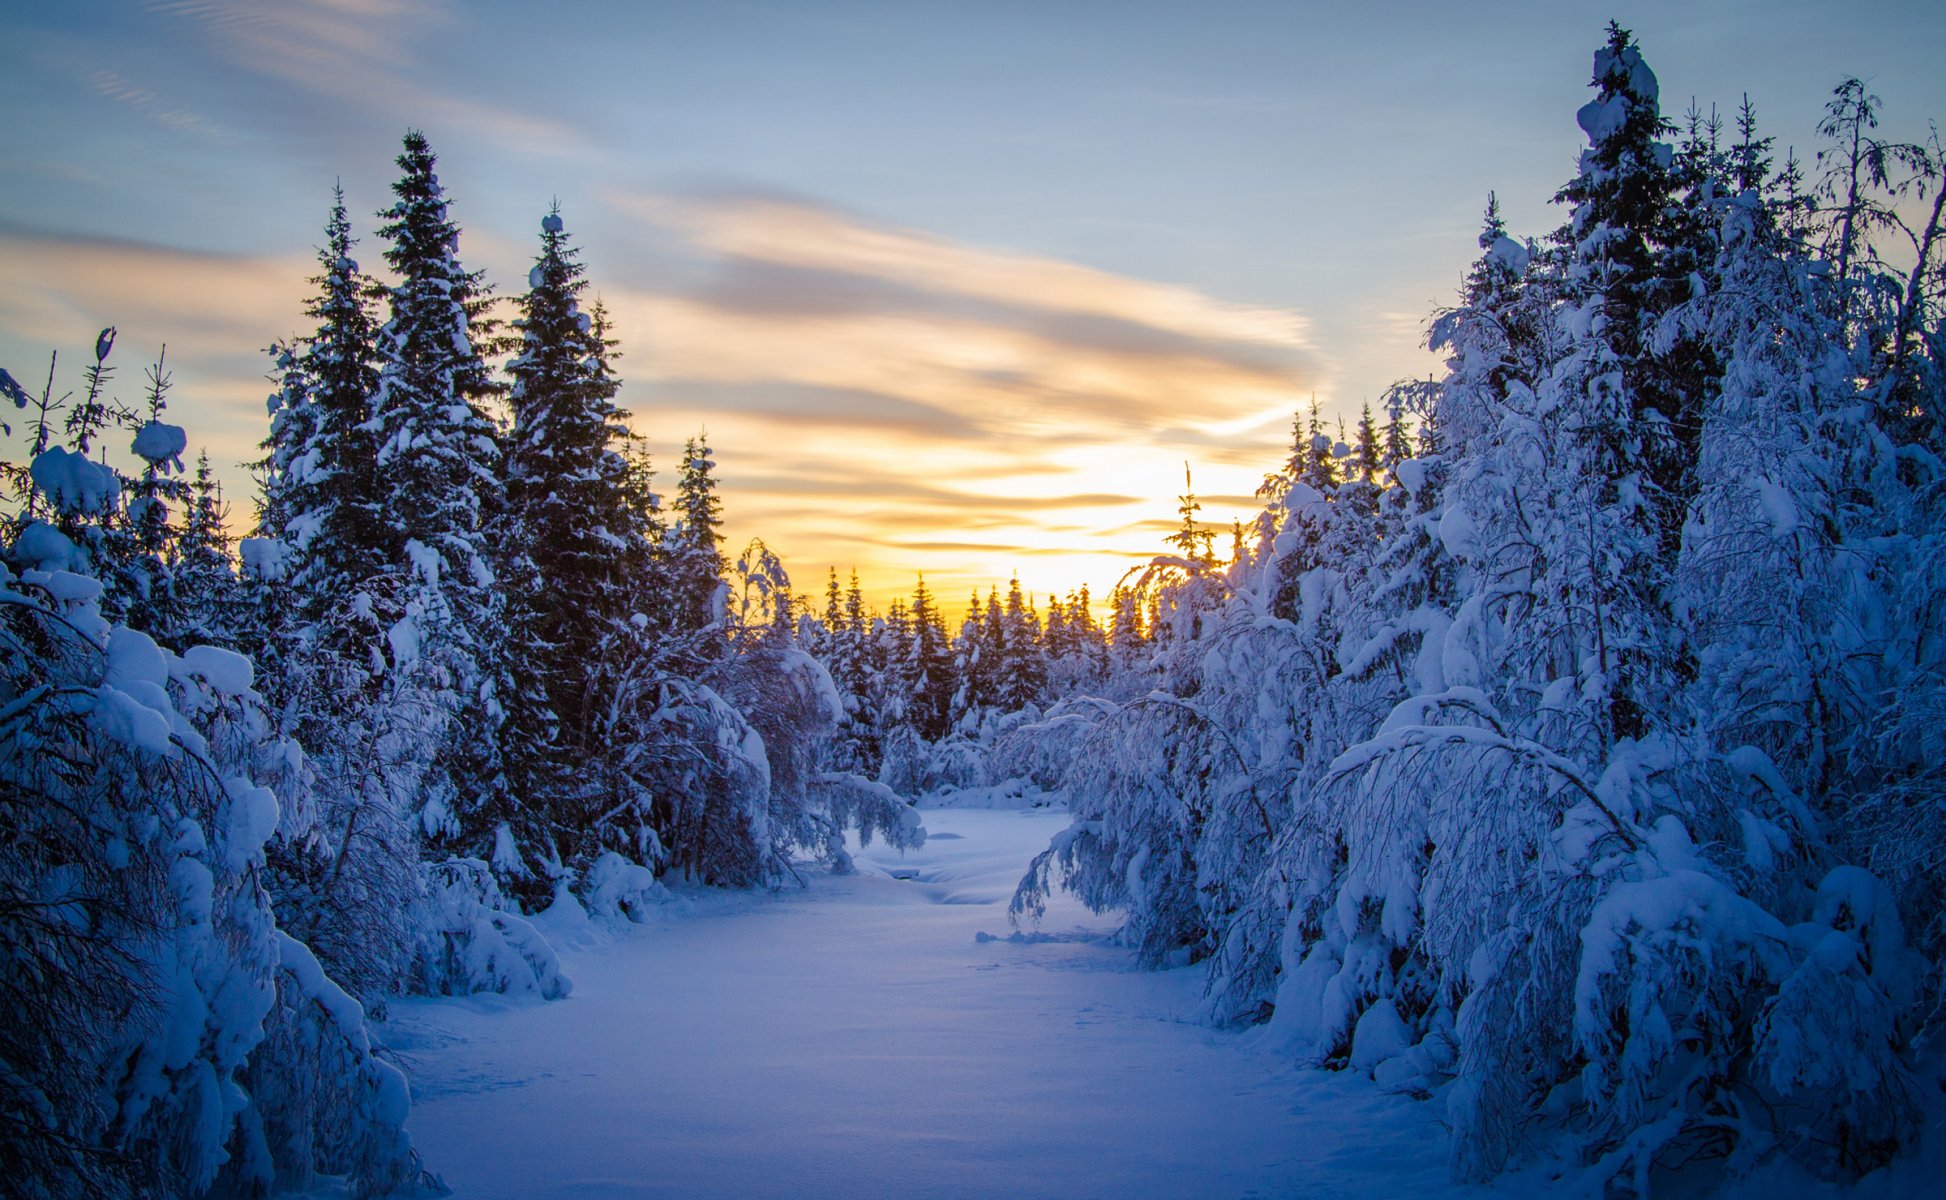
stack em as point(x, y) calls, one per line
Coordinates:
point(143, 589)
point(438, 460)
point(566, 540)
point(793, 708)
point(1514, 770)
point(208, 590)
point(145, 959)
point(695, 563)
point(323, 491)
point(321, 598)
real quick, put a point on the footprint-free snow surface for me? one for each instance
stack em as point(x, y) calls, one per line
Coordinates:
point(882, 1035)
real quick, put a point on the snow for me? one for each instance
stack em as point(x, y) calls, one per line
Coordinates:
point(121, 717)
point(253, 818)
point(1778, 507)
point(264, 558)
point(73, 483)
point(403, 638)
point(226, 671)
point(45, 547)
point(133, 657)
point(345, 1012)
point(159, 443)
point(425, 560)
point(863, 1039)
point(1599, 119)
point(1510, 254)
point(68, 587)
point(11, 389)
point(1456, 530)
point(617, 887)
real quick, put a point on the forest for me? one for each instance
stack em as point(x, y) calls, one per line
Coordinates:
point(1565, 739)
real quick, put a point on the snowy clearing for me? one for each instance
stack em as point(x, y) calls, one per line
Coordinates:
point(861, 1039)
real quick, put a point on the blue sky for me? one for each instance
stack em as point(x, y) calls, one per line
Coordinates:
point(954, 287)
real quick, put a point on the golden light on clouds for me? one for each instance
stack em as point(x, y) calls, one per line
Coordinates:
point(879, 399)
point(214, 313)
point(892, 401)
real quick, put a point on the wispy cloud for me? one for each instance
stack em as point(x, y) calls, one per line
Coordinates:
point(146, 101)
point(362, 53)
point(214, 312)
point(932, 388)
point(880, 398)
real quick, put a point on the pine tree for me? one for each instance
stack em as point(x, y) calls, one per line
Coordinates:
point(1023, 660)
point(438, 458)
point(323, 492)
point(144, 589)
point(696, 560)
point(1191, 540)
point(1367, 456)
point(566, 503)
point(564, 536)
point(931, 667)
point(206, 581)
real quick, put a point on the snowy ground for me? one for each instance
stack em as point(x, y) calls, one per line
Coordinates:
point(860, 1039)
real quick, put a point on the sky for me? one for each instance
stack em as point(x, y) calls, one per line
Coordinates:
point(954, 288)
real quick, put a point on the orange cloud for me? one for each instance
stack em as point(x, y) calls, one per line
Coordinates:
point(215, 313)
point(880, 398)
point(938, 388)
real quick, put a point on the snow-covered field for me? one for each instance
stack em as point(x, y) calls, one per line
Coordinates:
point(862, 1039)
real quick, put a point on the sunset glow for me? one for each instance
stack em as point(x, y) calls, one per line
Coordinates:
point(968, 330)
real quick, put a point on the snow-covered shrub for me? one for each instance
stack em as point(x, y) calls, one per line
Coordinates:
point(791, 705)
point(913, 766)
point(1828, 1042)
point(708, 774)
point(1141, 788)
point(85, 884)
point(324, 1103)
point(843, 801)
point(475, 942)
point(344, 867)
point(143, 785)
point(1043, 752)
point(794, 707)
point(617, 888)
point(133, 865)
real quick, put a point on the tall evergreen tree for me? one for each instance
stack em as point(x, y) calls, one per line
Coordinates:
point(324, 494)
point(144, 587)
point(565, 535)
point(206, 579)
point(1023, 659)
point(438, 456)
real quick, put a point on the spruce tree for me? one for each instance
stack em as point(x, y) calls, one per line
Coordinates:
point(1023, 660)
point(144, 586)
point(695, 554)
point(931, 667)
point(1367, 454)
point(563, 537)
point(324, 483)
point(438, 458)
point(1635, 417)
point(206, 582)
